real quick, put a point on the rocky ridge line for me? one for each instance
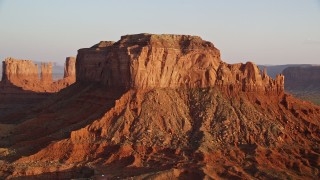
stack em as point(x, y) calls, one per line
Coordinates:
point(145, 61)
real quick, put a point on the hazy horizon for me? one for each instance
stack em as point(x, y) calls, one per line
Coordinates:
point(264, 32)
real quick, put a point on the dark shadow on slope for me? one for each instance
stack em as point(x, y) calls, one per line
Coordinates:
point(74, 173)
point(192, 174)
point(197, 107)
point(125, 172)
point(110, 173)
point(53, 119)
point(16, 103)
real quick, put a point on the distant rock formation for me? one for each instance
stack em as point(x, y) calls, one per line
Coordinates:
point(46, 72)
point(70, 67)
point(150, 61)
point(24, 74)
point(248, 78)
point(302, 77)
point(303, 82)
point(19, 71)
point(274, 70)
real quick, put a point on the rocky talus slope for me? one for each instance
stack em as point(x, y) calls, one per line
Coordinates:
point(166, 106)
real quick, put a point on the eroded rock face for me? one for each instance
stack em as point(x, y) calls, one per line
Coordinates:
point(146, 61)
point(302, 77)
point(18, 71)
point(157, 61)
point(187, 130)
point(24, 74)
point(248, 78)
point(70, 67)
point(46, 72)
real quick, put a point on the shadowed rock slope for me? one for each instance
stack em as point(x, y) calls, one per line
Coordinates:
point(184, 114)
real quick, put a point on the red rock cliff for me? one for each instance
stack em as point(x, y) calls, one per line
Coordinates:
point(46, 72)
point(144, 61)
point(24, 74)
point(148, 61)
point(19, 71)
point(248, 78)
point(70, 67)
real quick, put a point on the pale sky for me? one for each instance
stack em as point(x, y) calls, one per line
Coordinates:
point(262, 31)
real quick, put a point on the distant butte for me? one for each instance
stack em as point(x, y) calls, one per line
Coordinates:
point(24, 74)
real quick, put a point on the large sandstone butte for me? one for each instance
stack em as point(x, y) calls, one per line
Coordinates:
point(158, 61)
point(166, 106)
point(17, 71)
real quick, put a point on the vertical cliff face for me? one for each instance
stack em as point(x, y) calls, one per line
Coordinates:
point(248, 78)
point(146, 61)
point(98, 64)
point(24, 74)
point(19, 71)
point(302, 77)
point(46, 72)
point(303, 82)
point(70, 67)
point(149, 61)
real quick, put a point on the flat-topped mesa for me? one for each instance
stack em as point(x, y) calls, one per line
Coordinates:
point(103, 44)
point(46, 72)
point(24, 74)
point(70, 68)
point(168, 41)
point(302, 77)
point(158, 61)
point(146, 61)
point(19, 71)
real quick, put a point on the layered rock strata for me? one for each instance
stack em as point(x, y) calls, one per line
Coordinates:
point(70, 67)
point(302, 77)
point(145, 61)
point(18, 71)
point(303, 82)
point(46, 72)
point(176, 122)
point(24, 74)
